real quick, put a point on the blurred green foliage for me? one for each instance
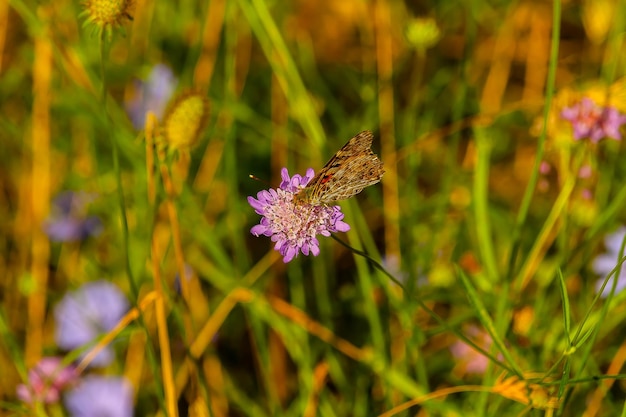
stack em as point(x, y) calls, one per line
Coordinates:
point(465, 101)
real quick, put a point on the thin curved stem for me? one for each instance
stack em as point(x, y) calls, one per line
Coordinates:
point(117, 169)
point(374, 262)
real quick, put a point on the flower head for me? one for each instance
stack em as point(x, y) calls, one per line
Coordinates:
point(101, 396)
point(423, 33)
point(107, 14)
point(82, 315)
point(604, 263)
point(185, 120)
point(594, 122)
point(46, 380)
point(151, 95)
point(68, 220)
point(292, 226)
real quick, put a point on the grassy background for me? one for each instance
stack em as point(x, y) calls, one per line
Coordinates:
point(457, 218)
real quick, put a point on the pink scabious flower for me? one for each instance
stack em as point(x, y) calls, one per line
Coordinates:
point(46, 380)
point(292, 226)
point(594, 122)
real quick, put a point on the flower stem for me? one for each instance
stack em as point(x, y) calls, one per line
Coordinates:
point(374, 262)
point(116, 168)
point(516, 239)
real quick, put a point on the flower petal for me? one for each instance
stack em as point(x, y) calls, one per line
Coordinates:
point(290, 253)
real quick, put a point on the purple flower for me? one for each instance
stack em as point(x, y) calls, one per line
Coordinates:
point(545, 168)
point(100, 396)
point(46, 380)
point(294, 226)
point(594, 122)
point(68, 220)
point(82, 315)
point(151, 95)
point(603, 264)
point(585, 171)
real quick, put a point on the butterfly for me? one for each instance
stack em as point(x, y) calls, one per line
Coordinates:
point(351, 169)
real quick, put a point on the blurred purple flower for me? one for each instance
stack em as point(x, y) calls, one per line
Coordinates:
point(46, 380)
point(604, 263)
point(82, 315)
point(469, 360)
point(68, 220)
point(294, 226)
point(100, 396)
point(586, 194)
point(151, 95)
point(585, 171)
point(545, 168)
point(594, 122)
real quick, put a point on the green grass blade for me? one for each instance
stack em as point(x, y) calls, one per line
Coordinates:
point(567, 321)
point(487, 322)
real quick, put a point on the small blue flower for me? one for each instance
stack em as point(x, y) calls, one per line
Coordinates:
point(100, 396)
point(151, 95)
point(68, 221)
point(83, 315)
point(604, 263)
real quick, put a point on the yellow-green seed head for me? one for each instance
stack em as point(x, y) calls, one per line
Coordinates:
point(107, 14)
point(423, 33)
point(184, 120)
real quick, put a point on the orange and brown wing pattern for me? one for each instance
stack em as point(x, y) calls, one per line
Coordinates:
point(351, 169)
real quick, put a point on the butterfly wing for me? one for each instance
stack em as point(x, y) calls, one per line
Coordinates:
point(351, 169)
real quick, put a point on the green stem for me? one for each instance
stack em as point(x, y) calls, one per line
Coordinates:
point(430, 312)
point(116, 168)
point(151, 355)
point(534, 176)
point(481, 206)
point(374, 262)
point(103, 89)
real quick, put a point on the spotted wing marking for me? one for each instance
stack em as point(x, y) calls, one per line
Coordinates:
point(351, 169)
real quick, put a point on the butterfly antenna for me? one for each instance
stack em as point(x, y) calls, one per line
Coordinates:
point(254, 177)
